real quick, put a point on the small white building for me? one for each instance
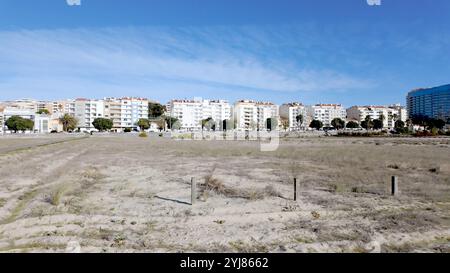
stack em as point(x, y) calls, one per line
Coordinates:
point(326, 113)
point(290, 112)
point(41, 122)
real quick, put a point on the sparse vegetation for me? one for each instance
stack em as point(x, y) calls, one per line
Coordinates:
point(55, 196)
point(119, 187)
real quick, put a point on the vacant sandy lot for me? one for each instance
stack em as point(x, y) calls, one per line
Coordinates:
point(130, 194)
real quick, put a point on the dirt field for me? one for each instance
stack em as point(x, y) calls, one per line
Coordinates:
point(130, 194)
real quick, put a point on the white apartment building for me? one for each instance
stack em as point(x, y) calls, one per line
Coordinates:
point(132, 110)
point(218, 110)
point(246, 115)
point(86, 111)
point(326, 113)
point(290, 111)
point(29, 104)
point(265, 111)
point(64, 107)
point(402, 114)
point(126, 112)
point(391, 114)
point(251, 115)
point(190, 113)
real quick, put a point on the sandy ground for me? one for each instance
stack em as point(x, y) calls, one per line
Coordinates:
point(131, 194)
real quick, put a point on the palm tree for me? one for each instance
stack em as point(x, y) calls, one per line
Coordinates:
point(299, 119)
point(69, 122)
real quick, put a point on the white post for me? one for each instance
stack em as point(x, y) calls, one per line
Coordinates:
point(394, 186)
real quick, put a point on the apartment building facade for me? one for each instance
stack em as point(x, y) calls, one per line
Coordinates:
point(266, 110)
point(86, 111)
point(430, 102)
point(125, 112)
point(246, 115)
point(290, 112)
point(190, 113)
point(252, 115)
point(326, 113)
point(390, 113)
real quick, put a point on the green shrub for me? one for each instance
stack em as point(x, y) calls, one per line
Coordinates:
point(127, 130)
point(143, 134)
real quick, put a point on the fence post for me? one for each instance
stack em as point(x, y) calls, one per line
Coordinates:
point(295, 189)
point(193, 191)
point(394, 186)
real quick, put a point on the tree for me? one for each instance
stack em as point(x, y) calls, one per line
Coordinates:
point(161, 123)
point(16, 123)
point(352, 125)
point(316, 124)
point(171, 122)
point(378, 124)
point(209, 124)
point(367, 123)
point(299, 120)
point(143, 123)
point(102, 124)
point(428, 122)
point(338, 123)
point(285, 123)
point(400, 127)
point(399, 124)
point(69, 123)
point(43, 112)
point(436, 123)
point(156, 110)
point(271, 124)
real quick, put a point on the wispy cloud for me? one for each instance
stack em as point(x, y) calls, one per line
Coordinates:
point(156, 61)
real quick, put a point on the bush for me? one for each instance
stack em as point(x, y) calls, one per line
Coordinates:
point(127, 130)
point(423, 134)
point(143, 134)
point(361, 134)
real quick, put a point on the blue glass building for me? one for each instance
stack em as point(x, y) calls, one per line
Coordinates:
point(431, 102)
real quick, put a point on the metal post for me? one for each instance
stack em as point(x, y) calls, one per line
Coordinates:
point(193, 191)
point(394, 186)
point(295, 189)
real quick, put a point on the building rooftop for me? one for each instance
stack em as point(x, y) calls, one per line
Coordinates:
point(424, 91)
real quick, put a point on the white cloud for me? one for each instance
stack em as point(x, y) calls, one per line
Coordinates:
point(98, 61)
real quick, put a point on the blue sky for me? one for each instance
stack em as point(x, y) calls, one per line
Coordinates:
point(341, 51)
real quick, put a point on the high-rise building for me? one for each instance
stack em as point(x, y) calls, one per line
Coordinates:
point(430, 102)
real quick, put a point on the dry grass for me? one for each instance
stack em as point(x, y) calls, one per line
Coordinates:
point(344, 199)
point(55, 196)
